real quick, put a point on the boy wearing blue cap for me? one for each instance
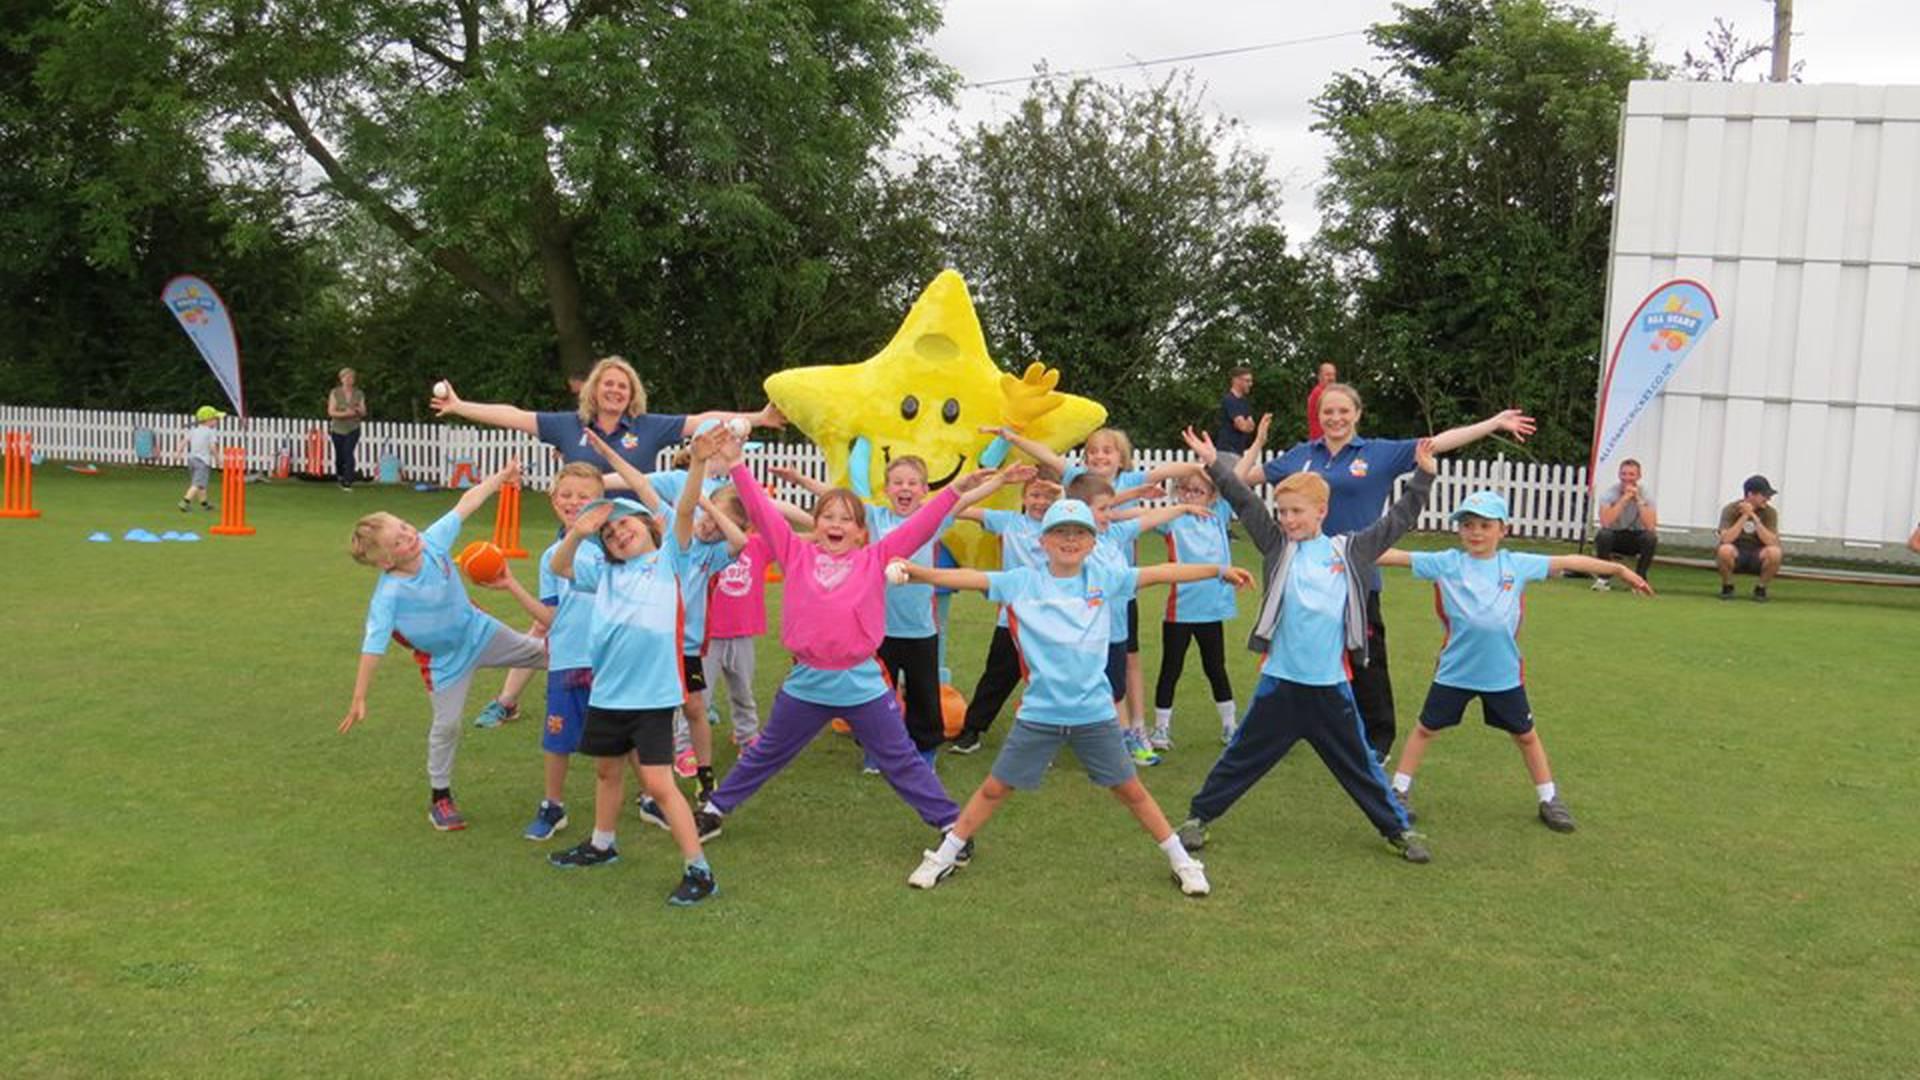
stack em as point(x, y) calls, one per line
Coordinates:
point(1061, 623)
point(1478, 590)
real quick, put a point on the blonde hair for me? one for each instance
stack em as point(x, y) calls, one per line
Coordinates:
point(1089, 486)
point(1310, 484)
point(909, 461)
point(1342, 388)
point(590, 387)
point(580, 470)
point(1120, 439)
point(346, 371)
point(366, 534)
point(727, 501)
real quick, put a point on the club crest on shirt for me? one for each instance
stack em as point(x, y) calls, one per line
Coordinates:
point(1094, 596)
point(1337, 566)
point(1506, 582)
point(1358, 469)
point(829, 572)
point(629, 441)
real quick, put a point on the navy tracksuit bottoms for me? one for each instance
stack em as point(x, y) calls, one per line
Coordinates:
point(1282, 714)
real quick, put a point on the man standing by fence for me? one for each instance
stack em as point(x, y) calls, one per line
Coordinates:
point(1236, 414)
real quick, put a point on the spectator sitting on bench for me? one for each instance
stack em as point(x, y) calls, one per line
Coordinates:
point(1750, 538)
point(1627, 523)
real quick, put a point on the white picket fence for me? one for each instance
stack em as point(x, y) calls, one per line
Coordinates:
point(1547, 501)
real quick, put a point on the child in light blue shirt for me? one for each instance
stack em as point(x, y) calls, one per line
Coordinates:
point(1019, 533)
point(421, 603)
point(1061, 614)
point(1198, 611)
point(1480, 590)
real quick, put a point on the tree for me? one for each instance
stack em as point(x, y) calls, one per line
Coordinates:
point(1468, 206)
point(1724, 53)
point(1126, 237)
point(629, 175)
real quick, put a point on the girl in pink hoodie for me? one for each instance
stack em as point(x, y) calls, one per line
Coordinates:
point(832, 617)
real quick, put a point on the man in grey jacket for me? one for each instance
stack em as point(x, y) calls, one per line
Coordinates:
point(1312, 613)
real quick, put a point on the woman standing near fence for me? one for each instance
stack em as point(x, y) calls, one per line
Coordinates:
point(346, 408)
point(1360, 473)
point(614, 403)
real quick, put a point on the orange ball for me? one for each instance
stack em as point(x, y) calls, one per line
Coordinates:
point(482, 561)
point(841, 727)
point(953, 711)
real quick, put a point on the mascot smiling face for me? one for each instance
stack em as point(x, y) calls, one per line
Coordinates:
point(928, 393)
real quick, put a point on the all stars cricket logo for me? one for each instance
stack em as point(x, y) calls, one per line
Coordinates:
point(1672, 326)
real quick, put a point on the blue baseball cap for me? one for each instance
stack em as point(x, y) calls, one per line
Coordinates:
point(621, 508)
point(1482, 504)
point(1066, 512)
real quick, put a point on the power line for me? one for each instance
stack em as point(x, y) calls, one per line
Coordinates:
point(1208, 55)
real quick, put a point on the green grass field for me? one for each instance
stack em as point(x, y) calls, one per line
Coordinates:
point(201, 878)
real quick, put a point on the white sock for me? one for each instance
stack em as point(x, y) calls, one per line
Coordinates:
point(1402, 782)
point(1162, 718)
point(1546, 790)
point(1176, 851)
point(603, 840)
point(1229, 716)
point(950, 848)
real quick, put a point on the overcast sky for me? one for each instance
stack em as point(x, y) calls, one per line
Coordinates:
point(1269, 91)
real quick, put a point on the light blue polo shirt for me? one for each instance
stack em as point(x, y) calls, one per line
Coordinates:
point(1063, 630)
point(1200, 540)
point(1310, 642)
point(636, 629)
point(1481, 605)
point(705, 558)
point(669, 483)
point(570, 637)
point(429, 612)
point(1114, 545)
point(909, 606)
point(638, 439)
point(856, 685)
point(1019, 544)
point(1359, 478)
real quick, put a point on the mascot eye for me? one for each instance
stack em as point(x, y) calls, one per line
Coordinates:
point(909, 407)
point(950, 411)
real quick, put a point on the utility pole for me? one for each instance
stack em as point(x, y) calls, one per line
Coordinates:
point(1782, 40)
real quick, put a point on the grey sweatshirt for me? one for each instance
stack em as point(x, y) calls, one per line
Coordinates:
point(1358, 550)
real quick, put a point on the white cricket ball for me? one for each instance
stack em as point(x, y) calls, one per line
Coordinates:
point(897, 573)
point(739, 427)
point(443, 388)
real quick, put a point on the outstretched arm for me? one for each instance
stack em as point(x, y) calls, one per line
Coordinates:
point(1251, 470)
point(1368, 543)
point(625, 474)
point(362, 679)
point(1039, 452)
point(938, 578)
point(1157, 516)
point(477, 495)
point(1173, 573)
point(1587, 564)
point(766, 417)
point(800, 480)
point(502, 416)
point(541, 613)
point(1512, 421)
point(1393, 557)
point(1247, 507)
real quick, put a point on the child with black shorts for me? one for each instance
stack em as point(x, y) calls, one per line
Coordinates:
point(637, 672)
point(1477, 592)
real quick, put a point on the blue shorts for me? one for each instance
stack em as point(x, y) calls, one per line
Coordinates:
point(1504, 709)
point(1031, 747)
point(1117, 669)
point(567, 691)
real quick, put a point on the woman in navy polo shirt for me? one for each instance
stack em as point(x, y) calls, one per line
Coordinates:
point(614, 402)
point(1360, 473)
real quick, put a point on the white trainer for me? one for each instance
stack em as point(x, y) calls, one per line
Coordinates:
point(1192, 876)
point(932, 871)
point(1601, 584)
point(1227, 732)
point(1161, 739)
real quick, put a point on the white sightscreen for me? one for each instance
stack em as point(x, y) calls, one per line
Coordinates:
point(1798, 207)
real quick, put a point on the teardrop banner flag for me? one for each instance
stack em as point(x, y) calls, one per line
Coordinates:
point(203, 315)
point(1661, 333)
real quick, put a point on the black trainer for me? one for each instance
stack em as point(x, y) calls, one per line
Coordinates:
point(1726, 592)
point(708, 823)
point(695, 885)
point(651, 813)
point(1760, 593)
point(1556, 815)
point(584, 854)
point(1411, 846)
point(967, 743)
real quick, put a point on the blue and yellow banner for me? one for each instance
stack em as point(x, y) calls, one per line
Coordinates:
point(203, 315)
point(1661, 333)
